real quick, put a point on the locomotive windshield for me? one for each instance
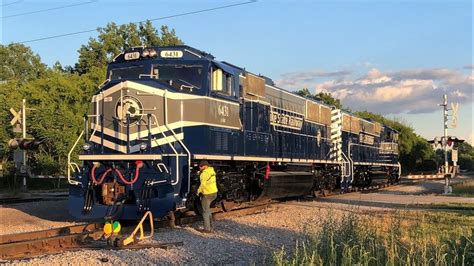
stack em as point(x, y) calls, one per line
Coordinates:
point(127, 72)
point(179, 76)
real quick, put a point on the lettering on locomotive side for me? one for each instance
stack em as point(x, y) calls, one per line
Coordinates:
point(286, 120)
point(366, 139)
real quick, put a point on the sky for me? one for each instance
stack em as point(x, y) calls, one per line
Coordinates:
point(396, 58)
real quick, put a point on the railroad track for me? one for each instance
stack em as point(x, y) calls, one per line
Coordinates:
point(35, 198)
point(368, 189)
point(87, 236)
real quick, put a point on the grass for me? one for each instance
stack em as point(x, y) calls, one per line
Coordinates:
point(465, 189)
point(406, 238)
point(455, 206)
point(12, 185)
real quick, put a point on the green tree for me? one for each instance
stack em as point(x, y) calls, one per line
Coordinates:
point(113, 39)
point(465, 156)
point(321, 97)
point(19, 64)
point(60, 96)
point(61, 100)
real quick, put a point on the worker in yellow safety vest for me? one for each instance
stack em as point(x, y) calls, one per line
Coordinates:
point(208, 192)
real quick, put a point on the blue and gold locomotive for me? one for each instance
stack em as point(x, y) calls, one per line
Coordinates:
point(163, 109)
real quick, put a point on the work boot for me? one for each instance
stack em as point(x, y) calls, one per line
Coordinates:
point(204, 231)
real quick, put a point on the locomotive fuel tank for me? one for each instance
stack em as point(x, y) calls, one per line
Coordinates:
point(377, 173)
point(282, 184)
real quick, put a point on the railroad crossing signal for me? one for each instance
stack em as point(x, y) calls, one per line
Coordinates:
point(454, 108)
point(442, 142)
point(19, 123)
point(25, 144)
point(16, 121)
point(16, 117)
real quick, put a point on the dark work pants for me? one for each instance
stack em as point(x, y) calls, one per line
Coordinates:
point(206, 210)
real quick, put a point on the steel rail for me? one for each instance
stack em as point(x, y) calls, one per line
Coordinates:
point(76, 237)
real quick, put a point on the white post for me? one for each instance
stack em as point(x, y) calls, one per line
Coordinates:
point(447, 187)
point(23, 124)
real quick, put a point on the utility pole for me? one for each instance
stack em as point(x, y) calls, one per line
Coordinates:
point(447, 187)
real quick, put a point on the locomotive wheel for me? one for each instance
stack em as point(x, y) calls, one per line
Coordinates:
point(228, 206)
point(316, 194)
point(197, 207)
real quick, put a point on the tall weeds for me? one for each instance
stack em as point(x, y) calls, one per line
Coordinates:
point(393, 240)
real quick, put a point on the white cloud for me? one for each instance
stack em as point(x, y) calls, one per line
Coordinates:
point(411, 91)
point(307, 78)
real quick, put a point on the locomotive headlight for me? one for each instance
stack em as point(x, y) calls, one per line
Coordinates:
point(145, 53)
point(87, 146)
point(152, 52)
point(143, 146)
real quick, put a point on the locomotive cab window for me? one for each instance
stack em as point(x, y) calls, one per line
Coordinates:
point(128, 72)
point(222, 82)
point(395, 137)
point(179, 76)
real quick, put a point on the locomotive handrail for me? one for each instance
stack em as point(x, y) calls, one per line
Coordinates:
point(288, 132)
point(159, 165)
point(177, 139)
point(362, 145)
point(349, 161)
point(399, 169)
point(69, 180)
point(72, 165)
point(172, 147)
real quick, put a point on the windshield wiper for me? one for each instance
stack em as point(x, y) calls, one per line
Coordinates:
point(186, 85)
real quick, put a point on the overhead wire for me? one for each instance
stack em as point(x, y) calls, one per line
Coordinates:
point(48, 9)
point(12, 3)
point(152, 19)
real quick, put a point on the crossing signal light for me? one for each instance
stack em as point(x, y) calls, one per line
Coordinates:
point(13, 143)
point(453, 140)
point(440, 143)
point(26, 144)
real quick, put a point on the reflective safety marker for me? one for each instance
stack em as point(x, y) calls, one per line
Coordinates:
point(116, 227)
point(112, 228)
point(108, 228)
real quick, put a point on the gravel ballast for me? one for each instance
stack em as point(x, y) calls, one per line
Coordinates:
point(241, 240)
point(237, 240)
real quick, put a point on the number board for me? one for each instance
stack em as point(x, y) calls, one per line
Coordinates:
point(131, 56)
point(171, 54)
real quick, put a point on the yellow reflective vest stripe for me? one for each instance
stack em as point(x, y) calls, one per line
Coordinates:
point(208, 182)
